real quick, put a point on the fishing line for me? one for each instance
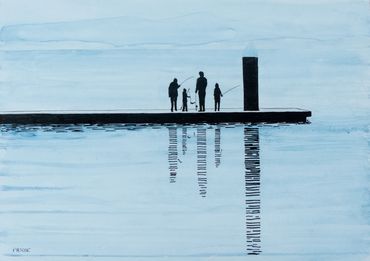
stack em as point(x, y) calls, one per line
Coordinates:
point(229, 90)
point(191, 102)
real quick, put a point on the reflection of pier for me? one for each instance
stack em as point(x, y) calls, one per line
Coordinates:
point(184, 139)
point(172, 153)
point(217, 146)
point(252, 190)
point(252, 174)
point(201, 139)
point(202, 160)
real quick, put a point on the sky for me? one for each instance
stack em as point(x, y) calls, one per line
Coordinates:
point(249, 20)
point(308, 51)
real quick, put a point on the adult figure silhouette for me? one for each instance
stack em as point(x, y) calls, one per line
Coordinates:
point(201, 89)
point(217, 94)
point(172, 93)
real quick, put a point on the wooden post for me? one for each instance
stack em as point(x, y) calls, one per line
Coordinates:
point(250, 81)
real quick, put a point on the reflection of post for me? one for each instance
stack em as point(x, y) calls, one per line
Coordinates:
point(184, 139)
point(202, 160)
point(172, 153)
point(217, 146)
point(252, 188)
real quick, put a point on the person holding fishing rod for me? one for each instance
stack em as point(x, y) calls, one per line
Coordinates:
point(173, 93)
point(217, 94)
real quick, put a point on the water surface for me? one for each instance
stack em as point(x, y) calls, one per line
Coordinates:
point(185, 192)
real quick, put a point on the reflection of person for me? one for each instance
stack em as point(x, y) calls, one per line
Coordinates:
point(185, 100)
point(201, 89)
point(172, 93)
point(217, 95)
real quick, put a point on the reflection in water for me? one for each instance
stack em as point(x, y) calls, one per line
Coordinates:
point(252, 190)
point(202, 160)
point(217, 146)
point(251, 160)
point(172, 153)
point(184, 139)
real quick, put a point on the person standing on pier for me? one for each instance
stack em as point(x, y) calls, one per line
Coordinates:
point(201, 89)
point(172, 93)
point(217, 94)
point(185, 100)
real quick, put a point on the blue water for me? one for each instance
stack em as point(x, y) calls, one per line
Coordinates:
point(185, 192)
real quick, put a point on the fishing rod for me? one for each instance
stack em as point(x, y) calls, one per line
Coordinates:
point(196, 105)
point(187, 79)
point(191, 102)
point(229, 90)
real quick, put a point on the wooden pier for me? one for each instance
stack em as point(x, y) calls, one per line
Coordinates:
point(108, 117)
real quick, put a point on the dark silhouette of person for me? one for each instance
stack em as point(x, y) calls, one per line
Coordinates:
point(217, 94)
point(201, 89)
point(185, 100)
point(172, 93)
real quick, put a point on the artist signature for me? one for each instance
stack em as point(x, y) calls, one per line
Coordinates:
point(21, 250)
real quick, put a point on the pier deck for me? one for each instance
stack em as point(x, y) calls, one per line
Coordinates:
point(268, 115)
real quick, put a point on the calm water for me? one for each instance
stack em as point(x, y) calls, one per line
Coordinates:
point(195, 192)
